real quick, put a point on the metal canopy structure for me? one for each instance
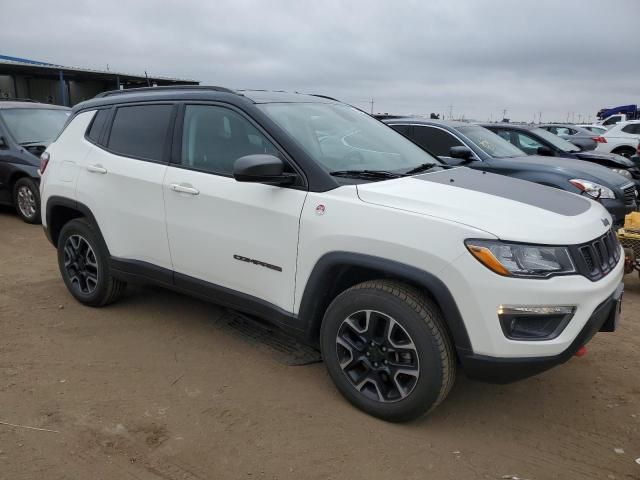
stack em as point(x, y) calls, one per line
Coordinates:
point(62, 85)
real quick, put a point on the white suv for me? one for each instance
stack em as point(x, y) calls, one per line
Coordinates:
point(315, 216)
point(621, 138)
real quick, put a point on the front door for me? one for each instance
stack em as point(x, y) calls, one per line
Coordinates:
point(223, 233)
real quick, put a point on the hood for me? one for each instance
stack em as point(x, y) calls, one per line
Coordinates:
point(610, 160)
point(507, 208)
point(573, 168)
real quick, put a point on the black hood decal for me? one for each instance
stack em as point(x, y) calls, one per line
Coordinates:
point(521, 191)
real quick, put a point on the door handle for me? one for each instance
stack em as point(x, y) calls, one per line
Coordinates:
point(97, 169)
point(183, 188)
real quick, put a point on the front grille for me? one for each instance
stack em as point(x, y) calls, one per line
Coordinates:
point(629, 195)
point(597, 258)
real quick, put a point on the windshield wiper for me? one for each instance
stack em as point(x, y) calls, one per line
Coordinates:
point(428, 166)
point(26, 144)
point(382, 174)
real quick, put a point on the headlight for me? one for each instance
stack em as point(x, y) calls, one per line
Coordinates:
point(624, 173)
point(521, 260)
point(592, 189)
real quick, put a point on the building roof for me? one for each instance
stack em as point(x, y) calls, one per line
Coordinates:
point(16, 65)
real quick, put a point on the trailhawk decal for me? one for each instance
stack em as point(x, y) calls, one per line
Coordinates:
point(522, 191)
point(258, 262)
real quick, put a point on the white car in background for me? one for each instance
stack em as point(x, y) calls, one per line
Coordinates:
point(622, 138)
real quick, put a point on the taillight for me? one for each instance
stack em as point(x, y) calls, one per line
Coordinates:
point(44, 161)
point(600, 139)
point(638, 149)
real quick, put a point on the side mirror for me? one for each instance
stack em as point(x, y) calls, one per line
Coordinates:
point(3, 143)
point(463, 153)
point(545, 151)
point(261, 168)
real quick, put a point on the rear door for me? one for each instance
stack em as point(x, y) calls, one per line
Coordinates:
point(224, 234)
point(121, 181)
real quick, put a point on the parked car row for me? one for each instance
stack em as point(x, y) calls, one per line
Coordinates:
point(400, 265)
point(529, 153)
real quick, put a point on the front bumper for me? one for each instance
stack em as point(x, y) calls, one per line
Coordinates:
point(617, 209)
point(505, 370)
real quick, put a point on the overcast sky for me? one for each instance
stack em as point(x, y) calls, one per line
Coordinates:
point(472, 57)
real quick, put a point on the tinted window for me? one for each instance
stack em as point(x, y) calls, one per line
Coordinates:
point(213, 138)
point(403, 129)
point(140, 131)
point(634, 128)
point(612, 120)
point(97, 125)
point(435, 140)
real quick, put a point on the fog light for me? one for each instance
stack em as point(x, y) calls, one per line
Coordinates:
point(522, 322)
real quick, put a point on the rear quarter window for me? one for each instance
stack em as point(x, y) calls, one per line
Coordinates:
point(95, 130)
point(140, 131)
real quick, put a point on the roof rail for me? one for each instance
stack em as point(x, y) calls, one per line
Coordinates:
point(164, 89)
point(324, 96)
point(10, 99)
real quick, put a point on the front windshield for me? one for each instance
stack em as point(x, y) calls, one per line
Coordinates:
point(491, 143)
point(34, 125)
point(340, 137)
point(556, 141)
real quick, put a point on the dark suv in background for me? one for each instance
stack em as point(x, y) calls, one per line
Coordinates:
point(459, 143)
point(537, 141)
point(26, 129)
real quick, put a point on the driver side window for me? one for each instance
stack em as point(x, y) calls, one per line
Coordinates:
point(528, 144)
point(435, 140)
point(213, 138)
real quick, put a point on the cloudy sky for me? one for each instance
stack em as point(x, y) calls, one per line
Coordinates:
point(472, 57)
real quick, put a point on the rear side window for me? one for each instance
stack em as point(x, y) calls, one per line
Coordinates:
point(97, 125)
point(140, 131)
point(435, 140)
point(633, 128)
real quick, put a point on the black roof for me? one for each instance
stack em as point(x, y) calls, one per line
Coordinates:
point(197, 92)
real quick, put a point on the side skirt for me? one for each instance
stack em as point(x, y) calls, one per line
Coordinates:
point(145, 273)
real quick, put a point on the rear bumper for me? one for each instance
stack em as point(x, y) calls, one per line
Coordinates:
point(506, 370)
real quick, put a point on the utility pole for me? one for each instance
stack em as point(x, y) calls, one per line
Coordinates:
point(450, 112)
point(371, 106)
point(539, 117)
point(504, 113)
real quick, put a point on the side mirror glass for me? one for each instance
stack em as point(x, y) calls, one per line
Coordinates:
point(463, 153)
point(545, 151)
point(262, 168)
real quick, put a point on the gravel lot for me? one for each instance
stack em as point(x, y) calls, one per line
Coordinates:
point(152, 388)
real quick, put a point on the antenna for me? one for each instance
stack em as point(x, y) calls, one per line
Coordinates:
point(371, 102)
point(147, 77)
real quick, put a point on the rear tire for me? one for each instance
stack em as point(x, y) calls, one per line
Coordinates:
point(387, 350)
point(626, 152)
point(26, 199)
point(83, 260)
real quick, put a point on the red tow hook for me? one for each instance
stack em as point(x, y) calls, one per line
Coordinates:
point(581, 352)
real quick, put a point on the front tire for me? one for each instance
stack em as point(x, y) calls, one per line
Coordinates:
point(26, 199)
point(387, 350)
point(83, 261)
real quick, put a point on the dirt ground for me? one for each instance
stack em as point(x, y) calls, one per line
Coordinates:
point(151, 388)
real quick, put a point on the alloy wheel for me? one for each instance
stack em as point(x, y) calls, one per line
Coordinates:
point(26, 201)
point(377, 355)
point(81, 264)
